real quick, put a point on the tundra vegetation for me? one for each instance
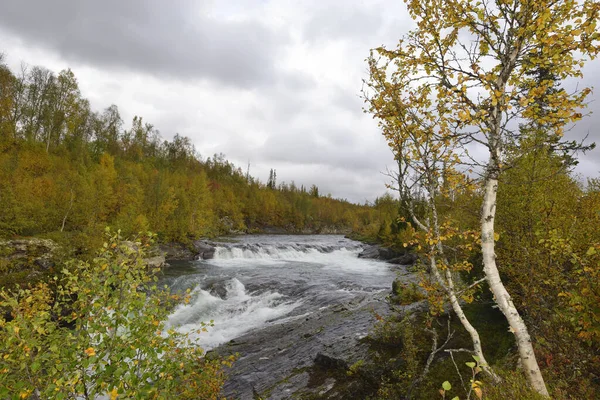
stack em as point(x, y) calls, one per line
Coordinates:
point(488, 75)
point(98, 328)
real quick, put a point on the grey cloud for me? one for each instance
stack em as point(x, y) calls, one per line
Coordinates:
point(343, 20)
point(348, 100)
point(325, 146)
point(313, 123)
point(174, 39)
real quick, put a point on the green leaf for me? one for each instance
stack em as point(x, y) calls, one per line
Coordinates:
point(591, 251)
point(476, 358)
point(471, 364)
point(35, 366)
point(446, 385)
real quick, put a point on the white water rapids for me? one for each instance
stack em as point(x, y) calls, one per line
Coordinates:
point(263, 280)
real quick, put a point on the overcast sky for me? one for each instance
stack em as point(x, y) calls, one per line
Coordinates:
point(272, 82)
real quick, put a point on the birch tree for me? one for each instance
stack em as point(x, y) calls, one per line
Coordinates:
point(426, 151)
point(473, 57)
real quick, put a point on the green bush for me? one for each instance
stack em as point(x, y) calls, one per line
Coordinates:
point(405, 293)
point(98, 329)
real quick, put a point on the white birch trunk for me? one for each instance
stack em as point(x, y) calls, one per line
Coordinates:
point(501, 296)
point(448, 286)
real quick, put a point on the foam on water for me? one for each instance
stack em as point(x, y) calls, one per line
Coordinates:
point(239, 312)
point(343, 259)
point(289, 277)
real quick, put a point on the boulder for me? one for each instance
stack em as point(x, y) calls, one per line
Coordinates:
point(205, 250)
point(177, 251)
point(380, 253)
point(326, 362)
point(200, 249)
point(406, 259)
point(158, 261)
point(23, 252)
point(370, 252)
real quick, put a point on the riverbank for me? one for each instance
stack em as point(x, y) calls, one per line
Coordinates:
point(27, 260)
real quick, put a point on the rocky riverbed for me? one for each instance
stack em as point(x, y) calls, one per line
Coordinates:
point(296, 310)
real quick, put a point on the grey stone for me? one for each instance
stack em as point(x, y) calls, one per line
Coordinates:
point(407, 259)
point(204, 249)
point(378, 252)
point(177, 251)
point(328, 362)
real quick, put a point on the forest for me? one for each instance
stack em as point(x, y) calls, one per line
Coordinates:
point(67, 170)
point(512, 236)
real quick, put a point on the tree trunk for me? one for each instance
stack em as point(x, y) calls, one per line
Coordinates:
point(501, 296)
point(62, 228)
point(448, 286)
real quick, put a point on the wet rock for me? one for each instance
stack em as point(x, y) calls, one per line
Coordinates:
point(177, 251)
point(204, 250)
point(218, 289)
point(406, 259)
point(200, 249)
point(380, 253)
point(370, 252)
point(327, 362)
point(274, 361)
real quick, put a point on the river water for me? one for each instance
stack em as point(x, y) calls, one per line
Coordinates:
point(261, 280)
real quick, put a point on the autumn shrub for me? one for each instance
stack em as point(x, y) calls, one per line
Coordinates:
point(550, 248)
point(97, 329)
point(513, 386)
point(406, 293)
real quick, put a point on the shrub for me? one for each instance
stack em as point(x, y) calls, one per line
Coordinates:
point(99, 329)
point(404, 293)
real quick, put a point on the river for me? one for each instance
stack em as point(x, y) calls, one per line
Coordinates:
point(279, 301)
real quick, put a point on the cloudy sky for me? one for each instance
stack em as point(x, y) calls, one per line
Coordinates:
point(272, 82)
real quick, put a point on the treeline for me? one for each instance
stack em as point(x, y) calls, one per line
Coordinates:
point(66, 168)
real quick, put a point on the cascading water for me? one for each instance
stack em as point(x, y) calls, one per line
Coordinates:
point(236, 313)
point(264, 280)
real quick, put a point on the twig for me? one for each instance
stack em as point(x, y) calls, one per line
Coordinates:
point(459, 351)
point(477, 282)
point(458, 371)
point(434, 350)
